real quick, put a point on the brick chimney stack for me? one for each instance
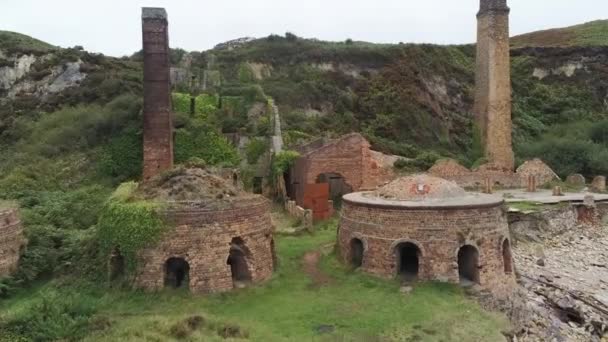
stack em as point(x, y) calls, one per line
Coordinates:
point(158, 125)
point(493, 83)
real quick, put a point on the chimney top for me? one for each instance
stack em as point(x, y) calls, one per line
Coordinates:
point(153, 13)
point(493, 6)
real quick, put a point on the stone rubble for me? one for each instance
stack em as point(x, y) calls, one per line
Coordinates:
point(566, 297)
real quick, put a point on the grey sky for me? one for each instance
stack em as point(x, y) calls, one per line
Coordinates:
point(113, 26)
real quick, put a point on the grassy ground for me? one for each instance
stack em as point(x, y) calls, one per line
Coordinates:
point(352, 306)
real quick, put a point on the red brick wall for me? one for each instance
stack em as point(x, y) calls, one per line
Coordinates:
point(202, 238)
point(11, 240)
point(158, 127)
point(438, 233)
point(350, 157)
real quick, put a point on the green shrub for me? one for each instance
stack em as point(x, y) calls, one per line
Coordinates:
point(255, 149)
point(122, 157)
point(599, 132)
point(53, 317)
point(128, 225)
point(283, 161)
point(204, 142)
point(567, 156)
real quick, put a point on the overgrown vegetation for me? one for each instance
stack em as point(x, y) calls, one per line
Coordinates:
point(127, 225)
point(594, 33)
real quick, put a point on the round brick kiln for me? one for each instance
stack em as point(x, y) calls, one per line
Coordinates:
point(12, 240)
point(219, 237)
point(427, 228)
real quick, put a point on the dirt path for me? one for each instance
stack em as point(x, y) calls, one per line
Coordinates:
point(310, 263)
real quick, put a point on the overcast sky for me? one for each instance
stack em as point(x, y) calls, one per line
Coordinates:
point(113, 27)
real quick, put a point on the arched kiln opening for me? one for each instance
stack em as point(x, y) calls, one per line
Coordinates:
point(356, 253)
point(177, 273)
point(468, 265)
point(408, 260)
point(337, 185)
point(507, 258)
point(237, 259)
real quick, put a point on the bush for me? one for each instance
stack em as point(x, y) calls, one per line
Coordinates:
point(255, 149)
point(283, 161)
point(599, 132)
point(122, 157)
point(54, 317)
point(567, 156)
point(128, 225)
point(202, 141)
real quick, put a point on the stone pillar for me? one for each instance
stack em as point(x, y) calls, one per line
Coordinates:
point(531, 187)
point(557, 191)
point(158, 125)
point(599, 184)
point(493, 83)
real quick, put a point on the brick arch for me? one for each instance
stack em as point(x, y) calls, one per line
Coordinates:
point(464, 256)
point(407, 265)
point(414, 242)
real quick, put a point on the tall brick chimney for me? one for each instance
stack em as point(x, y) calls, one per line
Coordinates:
point(158, 125)
point(493, 83)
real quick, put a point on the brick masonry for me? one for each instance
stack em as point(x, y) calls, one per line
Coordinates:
point(450, 169)
point(203, 238)
point(158, 127)
point(350, 156)
point(439, 234)
point(12, 241)
point(493, 83)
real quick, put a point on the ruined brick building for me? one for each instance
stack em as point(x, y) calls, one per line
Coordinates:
point(326, 171)
point(426, 228)
point(218, 237)
point(12, 240)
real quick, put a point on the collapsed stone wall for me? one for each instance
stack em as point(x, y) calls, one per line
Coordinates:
point(12, 241)
point(534, 226)
point(202, 238)
point(438, 233)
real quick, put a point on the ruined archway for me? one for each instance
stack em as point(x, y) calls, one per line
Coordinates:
point(177, 273)
point(408, 260)
point(337, 185)
point(356, 253)
point(237, 259)
point(468, 265)
point(507, 258)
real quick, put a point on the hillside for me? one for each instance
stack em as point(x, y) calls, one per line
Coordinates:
point(594, 33)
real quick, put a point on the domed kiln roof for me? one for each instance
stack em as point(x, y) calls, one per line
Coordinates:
point(419, 188)
point(422, 191)
point(205, 187)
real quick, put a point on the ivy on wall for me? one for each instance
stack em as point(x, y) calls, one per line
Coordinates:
point(283, 161)
point(129, 225)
